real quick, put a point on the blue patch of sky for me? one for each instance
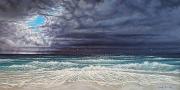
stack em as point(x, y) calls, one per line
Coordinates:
point(36, 22)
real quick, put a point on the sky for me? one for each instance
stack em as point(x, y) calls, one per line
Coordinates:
point(90, 27)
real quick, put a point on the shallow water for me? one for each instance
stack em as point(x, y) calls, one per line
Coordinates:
point(50, 71)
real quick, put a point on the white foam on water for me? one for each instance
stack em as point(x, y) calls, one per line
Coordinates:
point(100, 61)
point(36, 65)
point(58, 65)
point(148, 66)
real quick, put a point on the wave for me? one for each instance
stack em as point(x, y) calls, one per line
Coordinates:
point(37, 65)
point(148, 66)
point(6, 60)
point(57, 65)
point(123, 63)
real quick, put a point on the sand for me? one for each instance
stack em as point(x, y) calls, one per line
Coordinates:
point(94, 86)
point(88, 79)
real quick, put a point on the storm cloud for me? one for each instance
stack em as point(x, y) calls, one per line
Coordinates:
point(90, 26)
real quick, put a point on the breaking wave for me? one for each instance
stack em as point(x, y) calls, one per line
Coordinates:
point(56, 65)
point(122, 63)
point(148, 66)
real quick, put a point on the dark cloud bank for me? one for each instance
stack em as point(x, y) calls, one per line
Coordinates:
point(149, 27)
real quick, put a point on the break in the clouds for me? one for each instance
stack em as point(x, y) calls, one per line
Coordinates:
point(90, 26)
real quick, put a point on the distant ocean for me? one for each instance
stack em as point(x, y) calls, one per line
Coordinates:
point(33, 71)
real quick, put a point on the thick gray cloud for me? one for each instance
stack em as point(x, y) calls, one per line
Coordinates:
point(90, 26)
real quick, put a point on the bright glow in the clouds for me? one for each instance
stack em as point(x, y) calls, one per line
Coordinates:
point(30, 32)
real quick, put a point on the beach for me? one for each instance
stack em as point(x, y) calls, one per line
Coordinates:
point(72, 74)
point(94, 86)
point(88, 79)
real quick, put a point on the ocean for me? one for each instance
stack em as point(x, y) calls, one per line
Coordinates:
point(113, 72)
